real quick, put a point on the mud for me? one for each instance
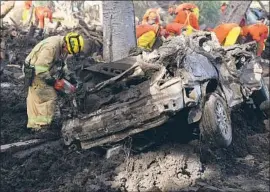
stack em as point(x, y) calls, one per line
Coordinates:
point(168, 165)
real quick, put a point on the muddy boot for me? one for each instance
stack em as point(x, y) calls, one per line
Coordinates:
point(47, 133)
point(43, 133)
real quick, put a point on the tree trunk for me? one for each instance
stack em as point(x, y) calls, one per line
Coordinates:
point(118, 29)
point(6, 8)
point(235, 12)
point(262, 6)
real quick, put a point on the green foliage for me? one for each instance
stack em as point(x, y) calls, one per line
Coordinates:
point(209, 12)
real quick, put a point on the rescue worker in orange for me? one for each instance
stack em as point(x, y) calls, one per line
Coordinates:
point(227, 33)
point(28, 4)
point(41, 69)
point(187, 15)
point(149, 30)
point(41, 13)
point(174, 9)
point(256, 32)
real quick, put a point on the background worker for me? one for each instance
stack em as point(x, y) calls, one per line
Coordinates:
point(26, 11)
point(187, 14)
point(42, 12)
point(227, 33)
point(146, 36)
point(174, 9)
point(148, 31)
point(43, 68)
point(256, 32)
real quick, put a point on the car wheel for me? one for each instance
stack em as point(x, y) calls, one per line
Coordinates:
point(215, 125)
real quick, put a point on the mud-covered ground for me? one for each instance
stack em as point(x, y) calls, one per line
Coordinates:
point(173, 163)
point(168, 165)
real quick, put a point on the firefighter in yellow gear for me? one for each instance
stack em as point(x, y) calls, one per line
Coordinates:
point(41, 71)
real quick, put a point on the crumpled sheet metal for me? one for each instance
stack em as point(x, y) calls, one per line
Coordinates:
point(200, 67)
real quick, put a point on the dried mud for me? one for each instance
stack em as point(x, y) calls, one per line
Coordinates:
point(169, 165)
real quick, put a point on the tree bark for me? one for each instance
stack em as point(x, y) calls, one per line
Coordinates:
point(118, 29)
point(235, 12)
point(6, 7)
point(262, 6)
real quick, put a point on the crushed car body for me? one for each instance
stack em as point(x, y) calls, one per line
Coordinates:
point(191, 72)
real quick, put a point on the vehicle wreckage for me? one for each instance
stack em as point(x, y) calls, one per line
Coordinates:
point(187, 72)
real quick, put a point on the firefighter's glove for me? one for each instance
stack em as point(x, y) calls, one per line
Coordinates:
point(50, 80)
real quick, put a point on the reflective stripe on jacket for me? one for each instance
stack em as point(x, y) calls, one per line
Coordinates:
point(186, 18)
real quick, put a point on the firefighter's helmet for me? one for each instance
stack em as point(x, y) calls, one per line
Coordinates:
point(75, 42)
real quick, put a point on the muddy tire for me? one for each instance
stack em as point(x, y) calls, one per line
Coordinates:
point(215, 125)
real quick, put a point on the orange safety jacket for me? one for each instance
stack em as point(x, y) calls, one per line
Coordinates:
point(258, 32)
point(184, 6)
point(144, 28)
point(182, 18)
point(174, 28)
point(41, 13)
point(223, 30)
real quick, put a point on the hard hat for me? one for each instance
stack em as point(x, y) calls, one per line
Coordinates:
point(75, 42)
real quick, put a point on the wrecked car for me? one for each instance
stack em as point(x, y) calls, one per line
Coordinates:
point(193, 73)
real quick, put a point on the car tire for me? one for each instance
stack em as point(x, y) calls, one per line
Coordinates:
point(215, 125)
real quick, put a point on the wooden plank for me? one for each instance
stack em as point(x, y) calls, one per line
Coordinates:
point(21, 144)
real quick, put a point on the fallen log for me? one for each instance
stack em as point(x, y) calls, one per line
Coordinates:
point(20, 145)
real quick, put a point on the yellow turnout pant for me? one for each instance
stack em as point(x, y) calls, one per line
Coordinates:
point(147, 40)
point(41, 101)
point(232, 36)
